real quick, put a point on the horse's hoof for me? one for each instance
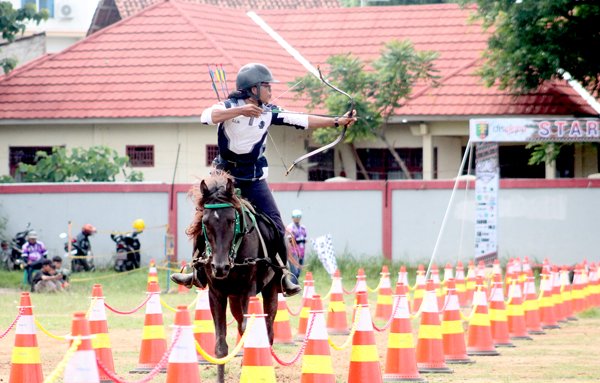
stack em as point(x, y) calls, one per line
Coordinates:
point(183, 279)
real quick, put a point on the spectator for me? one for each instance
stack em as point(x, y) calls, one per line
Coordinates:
point(5, 255)
point(296, 234)
point(47, 280)
point(57, 262)
point(33, 253)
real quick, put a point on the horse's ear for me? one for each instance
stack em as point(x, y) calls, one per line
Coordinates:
point(203, 188)
point(230, 187)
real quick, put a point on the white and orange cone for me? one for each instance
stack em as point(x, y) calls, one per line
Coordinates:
point(183, 362)
point(257, 363)
point(515, 313)
point(26, 363)
point(471, 282)
point(453, 334)
point(531, 306)
point(99, 328)
point(154, 341)
point(401, 358)
point(383, 310)
point(403, 276)
point(566, 294)
point(497, 311)
point(437, 285)
point(81, 367)
point(547, 309)
point(337, 323)
point(204, 326)
point(461, 285)
point(282, 331)
point(419, 291)
point(577, 293)
point(316, 362)
point(152, 272)
point(364, 361)
point(480, 340)
point(307, 294)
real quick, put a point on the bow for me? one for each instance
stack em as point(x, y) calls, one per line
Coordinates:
point(338, 139)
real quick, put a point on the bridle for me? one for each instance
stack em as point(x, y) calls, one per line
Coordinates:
point(239, 231)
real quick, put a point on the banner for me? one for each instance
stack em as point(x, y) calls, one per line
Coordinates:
point(534, 130)
point(487, 172)
point(323, 245)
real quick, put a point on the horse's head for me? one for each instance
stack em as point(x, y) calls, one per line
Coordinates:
point(220, 225)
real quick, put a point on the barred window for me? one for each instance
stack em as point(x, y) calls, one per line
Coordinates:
point(212, 151)
point(24, 154)
point(141, 156)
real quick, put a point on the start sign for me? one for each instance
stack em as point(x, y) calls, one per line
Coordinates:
point(534, 130)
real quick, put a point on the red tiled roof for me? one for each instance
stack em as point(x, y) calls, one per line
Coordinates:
point(151, 65)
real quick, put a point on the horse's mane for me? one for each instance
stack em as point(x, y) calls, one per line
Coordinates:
point(217, 192)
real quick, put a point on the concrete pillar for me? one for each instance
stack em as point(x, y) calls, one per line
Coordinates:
point(427, 156)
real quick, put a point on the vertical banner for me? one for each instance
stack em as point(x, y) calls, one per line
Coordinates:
point(487, 172)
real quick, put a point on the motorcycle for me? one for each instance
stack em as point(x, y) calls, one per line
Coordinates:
point(14, 261)
point(81, 260)
point(128, 251)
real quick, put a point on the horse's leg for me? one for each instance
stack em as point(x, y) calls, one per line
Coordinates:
point(238, 312)
point(269, 294)
point(218, 308)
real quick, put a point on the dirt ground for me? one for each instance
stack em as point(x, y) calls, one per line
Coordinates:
point(569, 354)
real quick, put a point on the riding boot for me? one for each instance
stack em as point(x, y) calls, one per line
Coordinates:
point(290, 288)
point(198, 276)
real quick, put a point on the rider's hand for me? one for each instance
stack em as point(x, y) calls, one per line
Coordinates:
point(346, 120)
point(250, 110)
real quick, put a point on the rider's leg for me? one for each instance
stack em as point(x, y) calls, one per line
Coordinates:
point(258, 193)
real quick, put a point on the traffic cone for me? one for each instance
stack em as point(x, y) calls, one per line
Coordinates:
point(403, 277)
point(364, 361)
point(154, 341)
point(316, 362)
point(401, 359)
point(26, 364)
point(497, 312)
point(448, 274)
point(152, 272)
point(361, 281)
point(337, 324)
point(547, 311)
point(430, 349)
point(183, 362)
point(282, 331)
point(577, 293)
point(566, 294)
point(480, 271)
point(307, 294)
point(453, 334)
point(99, 328)
point(435, 277)
point(497, 269)
point(531, 306)
point(383, 310)
point(471, 284)
point(515, 313)
point(181, 289)
point(257, 363)
point(559, 307)
point(419, 291)
point(595, 284)
point(204, 327)
point(461, 286)
point(82, 367)
point(480, 340)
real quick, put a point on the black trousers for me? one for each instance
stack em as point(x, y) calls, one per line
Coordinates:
point(259, 194)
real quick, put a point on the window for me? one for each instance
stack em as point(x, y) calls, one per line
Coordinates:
point(381, 165)
point(212, 151)
point(140, 156)
point(40, 4)
point(320, 166)
point(24, 154)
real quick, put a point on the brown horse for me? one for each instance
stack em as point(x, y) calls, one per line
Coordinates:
point(235, 264)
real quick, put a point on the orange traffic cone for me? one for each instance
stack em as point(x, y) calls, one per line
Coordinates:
point(497, 312)
point(401, 360)
point(403, 276)
point(152, 272)
point(531, 307)
point(361, 281)
point(337, 323)
point(515, 312)
point(26, 364)
point(559, 306)
point(282, 331)
point(453, 334)
point(435, 277)
point(364, 361)
point(307, 294)
point(480, 271)
point(430, 350)
point(99, 328)
point(566, 294)
point(496, 268)
point(181, 289)
point(257, 363)
point(547, 311)
point(183, 362)
point(471, 284)
point(154, 341)
point(383, 310)
point(595, 283)
point(577, 293)
point(461, 286)
point(419, 291)
point(316, 362)
point(82, 367)
point(480, 340)
point(204, 327)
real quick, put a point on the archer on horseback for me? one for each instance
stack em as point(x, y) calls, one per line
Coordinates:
point(243, 121)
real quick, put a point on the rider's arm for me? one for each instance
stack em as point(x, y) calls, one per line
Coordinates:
point(219, 113)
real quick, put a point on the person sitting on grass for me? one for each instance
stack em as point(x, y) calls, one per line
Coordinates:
point(57, 262)
point(47, 280)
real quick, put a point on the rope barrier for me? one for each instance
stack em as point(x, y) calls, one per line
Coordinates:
point(14, 322)
point(171, 308)
point(233, 352)
point(294, 314)
point(351, 291)
point(468, 318)
point(375, 289)
point(389, 321)
point(302, 347)
point(54, 375)
point(159, 366)
point(42, 329)
point(350, 336)
point(131, 311)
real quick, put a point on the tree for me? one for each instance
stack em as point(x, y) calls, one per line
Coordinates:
point(12, 22)
point(96, 164)
point(534, 41)
point(377, 92)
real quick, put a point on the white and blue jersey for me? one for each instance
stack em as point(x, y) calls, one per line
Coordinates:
point(242, 140)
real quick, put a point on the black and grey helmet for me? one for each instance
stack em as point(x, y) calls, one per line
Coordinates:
point(251, 74)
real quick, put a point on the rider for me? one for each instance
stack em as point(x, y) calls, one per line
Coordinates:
point(243, 121)
point(83, 245)
point(33, 253)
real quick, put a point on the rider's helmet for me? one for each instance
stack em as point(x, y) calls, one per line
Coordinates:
point(139, 224)
point(253, 74)
point(88, 229)
point(32, 235)
point(296, 213)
